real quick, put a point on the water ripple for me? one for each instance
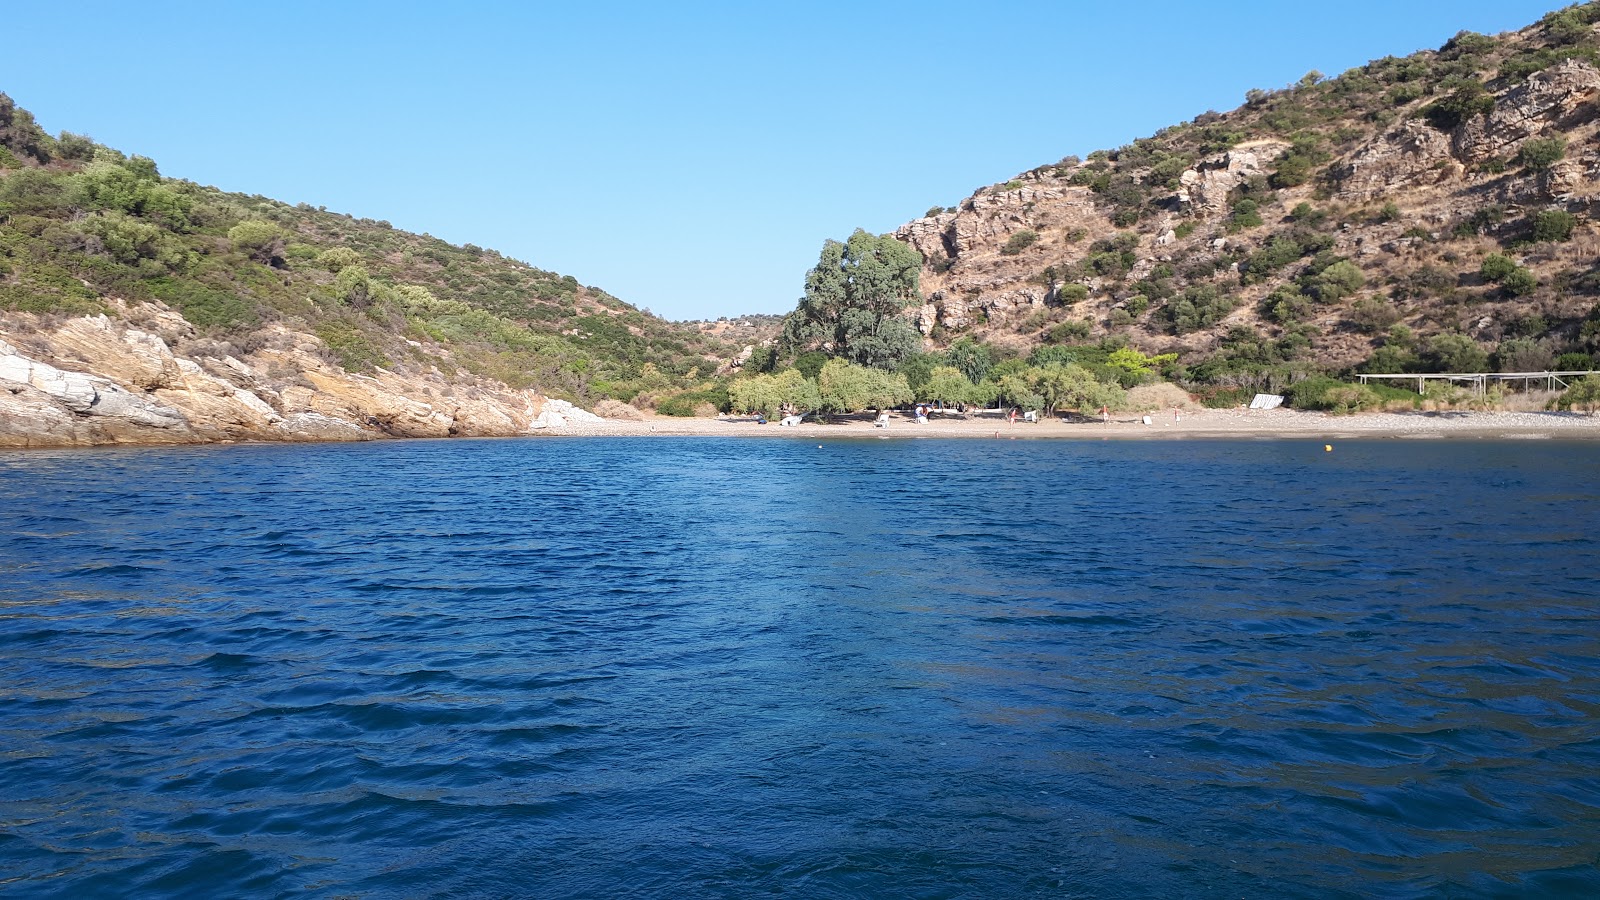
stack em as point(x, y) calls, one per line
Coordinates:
point(722, 668)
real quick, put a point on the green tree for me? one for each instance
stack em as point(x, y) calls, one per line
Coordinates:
point(855, 301)
point(1066, 385)
point(769, 394)
point(1016, 389)
point(1136, 367)
point(947, 384)
point(261, 241)
point(353, 286)
point(972, 358)
point(847, 387)
point(1457, 353)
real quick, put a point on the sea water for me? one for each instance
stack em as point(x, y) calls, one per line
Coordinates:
point(735, 668)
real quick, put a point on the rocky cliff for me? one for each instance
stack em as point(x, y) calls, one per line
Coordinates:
point(103, 380)
point(1216, 238)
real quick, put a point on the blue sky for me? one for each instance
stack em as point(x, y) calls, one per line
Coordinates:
point(687, 158)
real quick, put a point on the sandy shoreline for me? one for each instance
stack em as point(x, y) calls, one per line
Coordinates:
point(1206, 423)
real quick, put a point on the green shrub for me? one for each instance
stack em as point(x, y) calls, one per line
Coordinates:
point(1020, 241)
point(1520, 283)
point(1198, 307)
point(205, 306)
point(336, 258)
point(1480, 221)
point(1246, 214)
point(1072, 293)
point(1469, 100)
point(1277, 254)
point(683, 405)
point(1572, 24)
point(1293, 170)
point(1456, 353)
point(1582, 394)
point(1466, 43)
point(1539, 154)
point(1308, 393)
point(351, 346)
point(1523, 354)
point(1553, 225)
point(1497, 267)
point(1286, 305)
point(1374, 314)
point(1069, 331)
point(261, 241)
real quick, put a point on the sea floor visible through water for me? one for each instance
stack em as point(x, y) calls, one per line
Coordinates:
point(835, 668)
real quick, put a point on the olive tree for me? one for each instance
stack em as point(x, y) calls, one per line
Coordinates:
point(855, 301)
point(847, 387)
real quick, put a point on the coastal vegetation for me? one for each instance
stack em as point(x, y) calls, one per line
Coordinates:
point(1425, 214)
point(83, 226)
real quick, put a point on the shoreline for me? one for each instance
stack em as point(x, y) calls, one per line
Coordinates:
point(1189, 424)
point(1192, 424)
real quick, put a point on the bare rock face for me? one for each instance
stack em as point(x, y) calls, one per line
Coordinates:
point(560, 414)
point(98, 380)
point(1206, 186)
point(952, 312)
point(1562, 96)
point(984, 220)
point(44, 405)
point(1411, 153)
point(927, 235)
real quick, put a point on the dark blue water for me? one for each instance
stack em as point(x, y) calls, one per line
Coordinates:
point(723, 668)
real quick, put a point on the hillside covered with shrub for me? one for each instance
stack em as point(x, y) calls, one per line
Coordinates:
point(85, 229)
point(1433, 213)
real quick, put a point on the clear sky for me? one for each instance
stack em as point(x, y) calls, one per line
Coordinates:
point(689, 158)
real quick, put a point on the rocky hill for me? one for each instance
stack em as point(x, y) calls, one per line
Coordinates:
point(1430, 213)
point(135, 307)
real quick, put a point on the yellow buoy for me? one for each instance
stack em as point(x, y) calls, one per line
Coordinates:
point(1327, 448)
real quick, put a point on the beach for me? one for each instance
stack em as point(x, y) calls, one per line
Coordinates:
point(1196, 423)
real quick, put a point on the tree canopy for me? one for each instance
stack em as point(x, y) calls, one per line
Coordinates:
point(855, 301)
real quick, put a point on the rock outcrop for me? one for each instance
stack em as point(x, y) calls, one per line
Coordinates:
point(1564, 96)
point(1410, 153)
point(98, 380)
point(1205, 188)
